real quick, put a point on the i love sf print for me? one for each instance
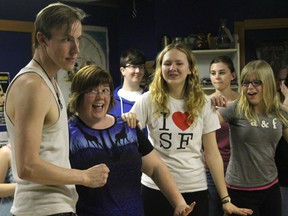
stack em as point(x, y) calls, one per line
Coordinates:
point(180, 120)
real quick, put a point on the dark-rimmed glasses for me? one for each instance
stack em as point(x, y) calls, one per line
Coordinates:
point(134, 67)
point(104, 92)
point(254, 83)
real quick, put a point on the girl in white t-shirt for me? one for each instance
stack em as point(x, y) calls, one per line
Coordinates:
point(181, 125)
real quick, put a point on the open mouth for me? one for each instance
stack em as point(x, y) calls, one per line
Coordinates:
point(252, 93)
point(98, 106)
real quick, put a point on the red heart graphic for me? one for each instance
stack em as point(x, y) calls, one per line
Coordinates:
point(180, 119)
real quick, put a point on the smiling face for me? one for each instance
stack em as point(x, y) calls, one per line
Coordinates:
point(258, 92)
point(175, 68)
point(95, 104)
point(133, 75)
point(253, 90)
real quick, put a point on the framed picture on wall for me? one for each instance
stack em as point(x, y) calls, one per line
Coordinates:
point(94, 47)
point(256, 33)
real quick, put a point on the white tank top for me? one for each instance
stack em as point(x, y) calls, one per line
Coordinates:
point(37, 199)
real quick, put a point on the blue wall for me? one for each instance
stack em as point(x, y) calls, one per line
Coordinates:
point(153, 19)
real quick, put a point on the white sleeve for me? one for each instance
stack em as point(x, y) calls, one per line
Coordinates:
point(143, 107)
point(211, 120)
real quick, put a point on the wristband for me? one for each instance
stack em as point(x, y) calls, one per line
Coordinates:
point(225, 201)
point(224, 197)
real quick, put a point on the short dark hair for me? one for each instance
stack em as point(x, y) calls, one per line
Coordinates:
point(55, 16)
point(87, 78)
point(132, 56)
point(226, 60)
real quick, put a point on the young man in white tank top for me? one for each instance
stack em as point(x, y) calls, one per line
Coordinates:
point(36, 118)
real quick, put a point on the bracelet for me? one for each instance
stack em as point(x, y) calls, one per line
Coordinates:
point(225, 201)
point(224, 197)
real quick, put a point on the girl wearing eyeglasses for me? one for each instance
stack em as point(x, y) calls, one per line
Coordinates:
point(257, 121)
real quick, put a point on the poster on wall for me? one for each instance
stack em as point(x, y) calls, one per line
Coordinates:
point(94, 49)
point(4, 82)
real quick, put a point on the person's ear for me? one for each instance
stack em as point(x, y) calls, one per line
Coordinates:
point(41, 39)
point(234, 75)
point(122, 70)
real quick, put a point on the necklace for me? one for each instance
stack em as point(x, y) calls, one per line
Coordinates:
point(57, 94)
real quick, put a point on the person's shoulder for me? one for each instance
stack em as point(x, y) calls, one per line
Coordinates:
point(212, 95)
point(33, 88)
point(29, 79)
point(75, 122)
point(207, 99)
point(117, 89)
point(235, 96)
point(207, 96)
point(5, 151)
point(146, 94)
point(116, 95)
point(231, 107)
point(146, 97)
point(119, 120)
point(72, 119)
point(233, 103)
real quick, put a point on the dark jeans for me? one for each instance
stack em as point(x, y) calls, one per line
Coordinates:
point(263, 202)
point(215, 205)
point(155, 203)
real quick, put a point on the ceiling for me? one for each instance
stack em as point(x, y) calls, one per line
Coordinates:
point(107, 3)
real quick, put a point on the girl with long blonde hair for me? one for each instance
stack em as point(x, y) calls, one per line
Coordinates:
point(180, 121)
point(257, 121)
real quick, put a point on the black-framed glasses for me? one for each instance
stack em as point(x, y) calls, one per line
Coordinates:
point(254, 83)
point(134, 67)
point(104, 92)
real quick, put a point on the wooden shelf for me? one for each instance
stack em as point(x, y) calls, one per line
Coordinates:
point(214, 51)
point(211, 87)
point(204, 58)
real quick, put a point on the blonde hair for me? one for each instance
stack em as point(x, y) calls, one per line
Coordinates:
point(193, 94)
point(261, 70)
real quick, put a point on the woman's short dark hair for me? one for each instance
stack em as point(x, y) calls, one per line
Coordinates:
point(84, 81)
point(132, 56)
point(226, 60)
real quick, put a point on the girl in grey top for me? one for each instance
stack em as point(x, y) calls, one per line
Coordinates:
point(257, 121)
